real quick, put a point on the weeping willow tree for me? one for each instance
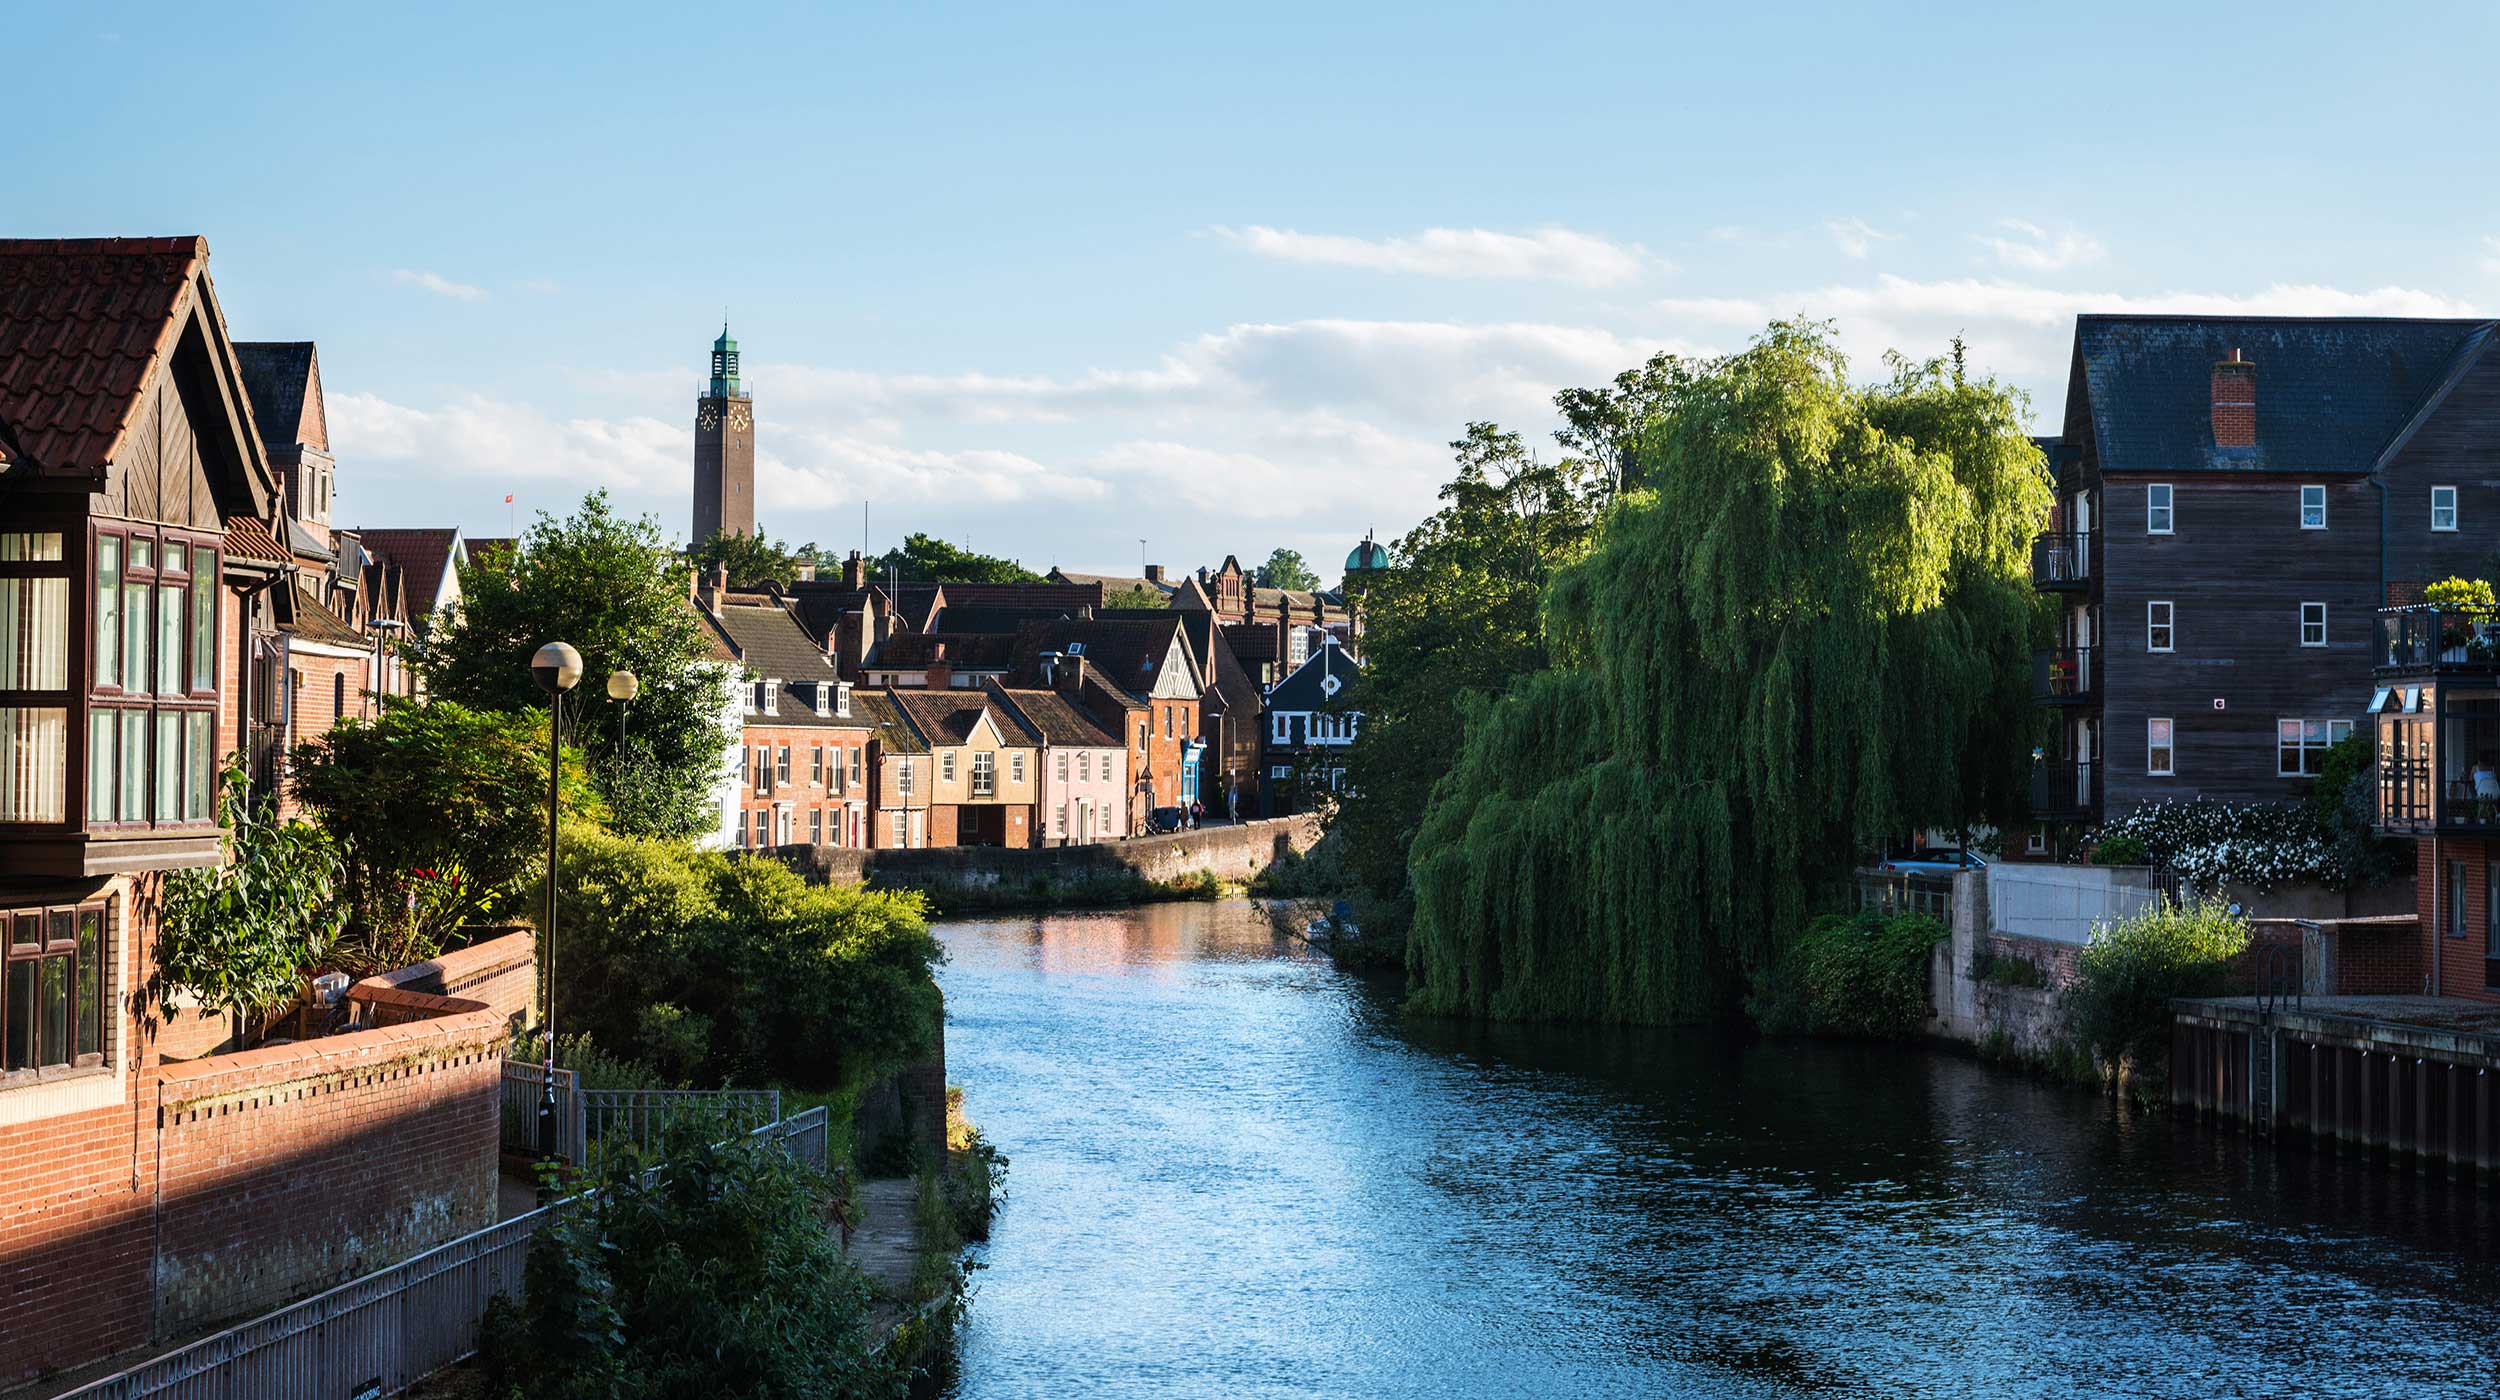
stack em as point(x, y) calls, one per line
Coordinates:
point(1808, 631)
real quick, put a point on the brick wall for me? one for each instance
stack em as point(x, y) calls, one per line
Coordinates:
point(1228, 852)
point(2458, 958)
point(500, 972)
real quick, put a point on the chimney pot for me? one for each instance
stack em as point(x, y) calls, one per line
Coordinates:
point(854, 571)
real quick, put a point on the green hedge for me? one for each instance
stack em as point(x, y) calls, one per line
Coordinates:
point(1861, 974)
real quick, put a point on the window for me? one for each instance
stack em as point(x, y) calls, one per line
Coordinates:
point(781, 768)
point(2036, 843)
point(1060, 766)
point(1015, 767)
point(855, 761)
point(1280, 773)
point(2456, 899)
point(2300, 745)
point(984, 774)
point(2157, 629)
point(2443, 507)
point(1167, 721)
point(2313, 507)
point(946, 766)
point(901, 832)
point(902, 782)
point(833, 770)
point(2157, 751)
point(2313, 624)
point(768, 697)
point(816, 826)
point(338, 695)
point(1085, 767)
point(1144, 732)
point(2491, 912)
point(151, 732)
point(763, 767)
point(816, 763)
point(34, 663)
point(2157, 513)
point(1059, 820)
point(53, 997)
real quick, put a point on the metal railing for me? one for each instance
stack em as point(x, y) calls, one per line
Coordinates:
point(1907, 892)
point(2061, 675)
point(2421, 637)
point(593, 1125)
point(2061, 560)
point(2062, 788)
point(382, 1333)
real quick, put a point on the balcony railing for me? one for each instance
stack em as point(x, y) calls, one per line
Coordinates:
point(2062, 789)
point(2404, 793)
point(2439, 639)
point(2061, 560)
point(2062, 675)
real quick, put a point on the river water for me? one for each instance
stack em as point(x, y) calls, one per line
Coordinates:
point(1239, 1172)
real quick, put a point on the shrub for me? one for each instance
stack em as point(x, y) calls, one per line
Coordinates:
point(242, 935)
point(2120, 1004)
point(2005, 970)
point(2121, 850)
point(1859, 974)
point(2454, 592)
point(2254, 843)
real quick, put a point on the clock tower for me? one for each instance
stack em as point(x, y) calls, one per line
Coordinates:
point(724, 450)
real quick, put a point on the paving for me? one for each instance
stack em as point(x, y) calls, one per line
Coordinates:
point(885, 1243)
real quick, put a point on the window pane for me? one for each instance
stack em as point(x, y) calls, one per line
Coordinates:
point(168, 767)
point(100, 734)
point(52, 991)
point(204, 629)
point(108, 610)
point(34, 764)
point(135, 628)
point(172, 611)
point(29, 932)
point(34, 634)
point(177, 556)
point(134, 762)
point(199, 757)
point(142, 552)
point(30, 546)
point(90, 981)
point(19, 1052)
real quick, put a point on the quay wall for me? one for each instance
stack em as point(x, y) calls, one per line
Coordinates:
point(1232, 853)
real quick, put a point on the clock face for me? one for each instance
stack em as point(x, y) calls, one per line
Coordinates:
point(738, 419)
point(709, 418)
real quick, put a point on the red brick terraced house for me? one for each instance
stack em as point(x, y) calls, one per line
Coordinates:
point(804, 763)
point(146, 1187)
point(1137, 678)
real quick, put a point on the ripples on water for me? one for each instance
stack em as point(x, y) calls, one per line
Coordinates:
point(1239, 1172)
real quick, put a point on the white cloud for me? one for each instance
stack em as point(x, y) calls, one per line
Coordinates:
point(439, 285)
point(1548, 255)
point(2035, 249)
point(1856, 238)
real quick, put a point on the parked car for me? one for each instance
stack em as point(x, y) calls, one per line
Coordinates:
point(1935, 860)
point(1163, 819)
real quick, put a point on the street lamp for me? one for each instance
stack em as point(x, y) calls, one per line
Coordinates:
point(623, 686)
point(557, 668)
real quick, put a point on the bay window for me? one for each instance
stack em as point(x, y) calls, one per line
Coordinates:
point(152, 707)
point(34, 676)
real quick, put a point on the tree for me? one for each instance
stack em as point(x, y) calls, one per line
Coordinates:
point(612, 588)
point(928, 559)
point(1286, 569)
point(753, 560)
point(440, 812)
point(1602, 428)
point(243, 934)
point(1809, 630)
point(1137, 598)
point(1457, 619)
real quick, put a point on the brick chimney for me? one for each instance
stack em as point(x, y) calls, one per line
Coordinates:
point(1154, 573)
point(855, 571)
point(941, 675)
point(2235, 402)
point(715, 587)
point(1071, 676)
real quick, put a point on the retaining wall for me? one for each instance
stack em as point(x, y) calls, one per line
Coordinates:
point(1231, 853)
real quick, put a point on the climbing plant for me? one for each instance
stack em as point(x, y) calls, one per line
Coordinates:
point(242, 935)
point(1809, 630)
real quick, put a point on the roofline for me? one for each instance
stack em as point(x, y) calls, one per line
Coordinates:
point(2439, 395)
point(2181, 317)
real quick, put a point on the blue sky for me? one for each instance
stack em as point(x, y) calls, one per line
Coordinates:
point(1053, 282)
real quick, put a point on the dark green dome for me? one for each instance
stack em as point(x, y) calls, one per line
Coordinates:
point(1370, 554)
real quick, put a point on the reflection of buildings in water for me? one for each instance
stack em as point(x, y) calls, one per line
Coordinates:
point(1158, 940)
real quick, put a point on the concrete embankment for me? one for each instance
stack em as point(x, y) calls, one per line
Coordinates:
point(1232, 853)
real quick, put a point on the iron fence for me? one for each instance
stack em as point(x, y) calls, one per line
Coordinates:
point(594, 1125)
point(1907, 892)
point(382, 1333)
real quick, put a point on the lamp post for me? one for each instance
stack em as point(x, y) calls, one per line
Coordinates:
point(557, 668)
point(623, 686)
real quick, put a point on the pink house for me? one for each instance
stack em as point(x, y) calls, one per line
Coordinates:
point(1084, 769)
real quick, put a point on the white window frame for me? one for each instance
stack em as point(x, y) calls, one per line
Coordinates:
point(2336, 731)
point(946, 766)
point(2451, 493)
point(2036, 843)
point(2161, 519)
point(2305, 624)
point(2167, 628)
point(2167, 747)
point(2304, 507)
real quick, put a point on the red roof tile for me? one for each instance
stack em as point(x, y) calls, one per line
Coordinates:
point(422, 556)
point(247, 538)
point(82, 323)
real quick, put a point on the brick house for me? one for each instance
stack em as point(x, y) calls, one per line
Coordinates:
point(137, 574)
point(1082, 773)
point(902, 777)
point(803, 753)
point(983, 768)
point(1135, 676)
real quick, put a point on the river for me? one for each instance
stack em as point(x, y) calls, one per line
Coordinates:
point(1239, 1172)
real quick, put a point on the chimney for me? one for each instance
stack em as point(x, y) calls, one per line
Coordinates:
point(854, 571)
point(940, 675)
point(1154, 573)
point(807, 571)
point(1072, 675)
point(2235, 402)
point(718, 585)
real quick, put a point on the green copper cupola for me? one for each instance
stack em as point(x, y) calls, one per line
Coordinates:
point(725, 366)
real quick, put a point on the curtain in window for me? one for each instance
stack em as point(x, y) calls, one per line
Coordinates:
point(34, 763)
point(34, 634)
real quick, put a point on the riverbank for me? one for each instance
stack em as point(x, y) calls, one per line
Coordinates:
point(1204, 863)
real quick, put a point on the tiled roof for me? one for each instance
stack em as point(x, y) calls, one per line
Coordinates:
point(1218, 669)
point(422, 557)
point(479, 546)
point(877, 709)
point(1108, 583)
point(1306, 688)
point(1255, 641)
point(771, 643)
point(1127, 653)
point(247, 538)
point(308, 540)
point(1192, 596)
point(316, 623)
point(2332, 392)
point(276, 373)
point(954, 619)
point(1050, 717)
point(948, 717)
point(980, 651)
point(1022, 595)
point(82, 323)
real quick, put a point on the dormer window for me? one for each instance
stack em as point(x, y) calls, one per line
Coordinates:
point(824, 698)
point(768, 696)
point(842, 699)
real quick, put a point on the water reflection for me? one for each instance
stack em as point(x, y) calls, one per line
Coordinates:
point(1239, 1172)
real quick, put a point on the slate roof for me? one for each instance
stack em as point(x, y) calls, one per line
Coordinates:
point(478, 547)
point(1052, 718)
point(1108, 584)
point(1022, 595)
point(275, 374)
point(876, 710)
point(1306, 688)
point(1255, 641)
point(82, 323)
point(764, 638)
point(976, 651)
point(948, 717)
point(1125, 652)
point(1218, 669)
point(2332, 392)
point(1004, 621)
point(421, 555)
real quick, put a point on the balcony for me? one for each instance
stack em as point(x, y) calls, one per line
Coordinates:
point(2062, 789)
point(2061, 562)
point(2426, 641)
point(2439, 759)
point(2062, 676)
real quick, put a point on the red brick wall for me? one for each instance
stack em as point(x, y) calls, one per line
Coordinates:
point(804, 791)
point(2459, 960)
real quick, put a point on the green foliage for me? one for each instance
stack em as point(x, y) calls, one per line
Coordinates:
point(2121, 850)
point(1603, 429)
point(753, 560)
point(712, 1276)
point(613, 589)
point(1811, 629)
point(441, 812)
point(243, 935)
point(1854, 974)
point(1317, 873)
point(2453, 592)
point(1456, 621)
point(2345, 806)
point(2006, 970)
point(1286, 569)
point(928, 559)
point(716, 969)
point(1134, 598)
point(2119, 1006)
point(592, 1066)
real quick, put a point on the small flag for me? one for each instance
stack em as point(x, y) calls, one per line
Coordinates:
point(507, 498)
